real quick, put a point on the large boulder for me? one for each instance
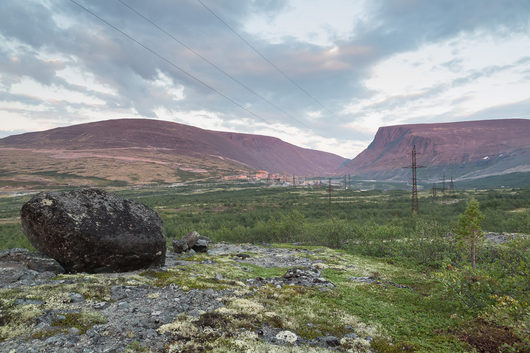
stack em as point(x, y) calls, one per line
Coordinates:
point(93, 231)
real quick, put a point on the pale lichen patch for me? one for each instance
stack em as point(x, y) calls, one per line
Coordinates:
point(46, 202)
point(183, 326)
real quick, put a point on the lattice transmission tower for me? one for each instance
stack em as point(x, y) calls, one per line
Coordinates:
point(414, 195)
point(329, 198)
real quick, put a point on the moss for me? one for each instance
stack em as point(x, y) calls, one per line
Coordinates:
point(222, 331)
point(381, 345)
point(41, 335)
point(82, 321)
point(410, 319)
point(257, 271)
point(187, 283)
point(19, 320)
point(201, 276)
point(136, 346)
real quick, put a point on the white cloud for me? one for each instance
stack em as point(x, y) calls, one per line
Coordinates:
point(457, 77)
point(321, 23)
point(15, 121)
point(74, 75)
point(165, 82)
point(51, 94)
point(314, 115)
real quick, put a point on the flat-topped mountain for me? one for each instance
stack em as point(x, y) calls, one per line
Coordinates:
point(165, 151)
point(461, 149)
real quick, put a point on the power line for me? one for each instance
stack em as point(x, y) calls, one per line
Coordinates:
point(152, 51)
point(262, 56)
point(246, 87)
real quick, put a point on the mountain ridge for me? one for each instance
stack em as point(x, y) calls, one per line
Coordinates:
point(464, 149)
point(175, 145)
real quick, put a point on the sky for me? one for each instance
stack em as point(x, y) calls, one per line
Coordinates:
point(321, 74)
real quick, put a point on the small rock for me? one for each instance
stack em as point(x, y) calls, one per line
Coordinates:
point(191, 241)
point(179, 245)
point(219, 276)
point(328, 341)
point(76, 298)
point(202, 244)
point(351, 335)
point(52, 340)
point(28, 301)
point(74, 331)
point(287, 336)
point(100, 305)
point(31, 260)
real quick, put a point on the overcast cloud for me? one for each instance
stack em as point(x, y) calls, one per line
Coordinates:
point(355, 65)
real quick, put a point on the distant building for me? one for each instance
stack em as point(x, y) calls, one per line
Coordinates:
point(236, 177)
point(261, 174)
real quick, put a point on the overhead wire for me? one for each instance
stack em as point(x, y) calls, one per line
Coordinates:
point(160, 56)
point(262, 55)
point(231, 77)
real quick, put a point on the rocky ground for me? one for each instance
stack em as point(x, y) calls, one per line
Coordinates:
point(234, 298)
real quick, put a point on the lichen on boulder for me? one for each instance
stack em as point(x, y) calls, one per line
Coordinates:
point(91, 230)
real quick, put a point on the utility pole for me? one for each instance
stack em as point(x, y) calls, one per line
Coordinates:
point(452, 185)
point(414, 195)
point(329, 198)
point(349, 181)
point(443, 183)
point(345, 185)
point(414, 200)
point(433, 191)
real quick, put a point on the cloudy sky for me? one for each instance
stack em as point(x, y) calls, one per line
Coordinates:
point(322, 74)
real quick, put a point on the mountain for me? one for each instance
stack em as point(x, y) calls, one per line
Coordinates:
point(146, 150)
point(463, 150)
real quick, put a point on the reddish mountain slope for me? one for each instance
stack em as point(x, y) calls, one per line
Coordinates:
point(462, 149)
point(255, 151)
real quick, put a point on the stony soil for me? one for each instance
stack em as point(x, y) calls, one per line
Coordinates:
point(234, 298)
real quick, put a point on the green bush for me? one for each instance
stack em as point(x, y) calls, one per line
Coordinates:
point(502, 271)
point(11, 236)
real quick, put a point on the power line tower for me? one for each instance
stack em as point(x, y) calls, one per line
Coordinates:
point(414, 195)
point(434, 190)
point(294, 181)
point(329, 198)
point(349, 181)
point(452, 186)
point(443, 184)
point(345, 185)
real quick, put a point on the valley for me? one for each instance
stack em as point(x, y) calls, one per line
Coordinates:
point(400, 279)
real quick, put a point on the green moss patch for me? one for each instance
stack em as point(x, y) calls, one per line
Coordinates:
point(82, 320)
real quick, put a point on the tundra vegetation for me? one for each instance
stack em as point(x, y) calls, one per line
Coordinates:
point(443, 304)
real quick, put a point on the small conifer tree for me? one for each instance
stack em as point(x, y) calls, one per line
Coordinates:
point(468, 227)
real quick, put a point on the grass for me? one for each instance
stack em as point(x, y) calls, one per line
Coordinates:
point(370, 234)
point(82, 320)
